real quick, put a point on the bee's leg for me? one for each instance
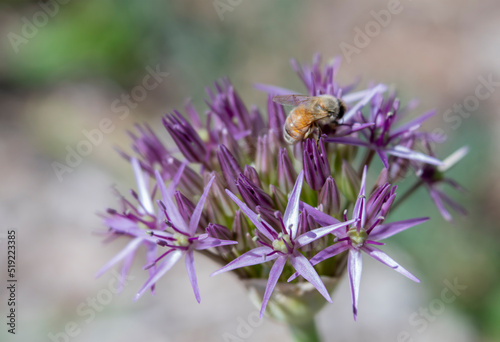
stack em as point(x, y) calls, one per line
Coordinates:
point(317, 133)
point(310, 132)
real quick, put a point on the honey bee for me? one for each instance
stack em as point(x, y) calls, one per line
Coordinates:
point(310, 114)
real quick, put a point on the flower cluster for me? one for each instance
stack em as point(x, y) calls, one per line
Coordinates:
point(240, 195)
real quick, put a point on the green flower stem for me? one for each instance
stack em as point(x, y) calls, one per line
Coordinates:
point(367, 161)
point(307, 332)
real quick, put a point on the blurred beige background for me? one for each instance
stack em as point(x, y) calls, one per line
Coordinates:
point(65, 74)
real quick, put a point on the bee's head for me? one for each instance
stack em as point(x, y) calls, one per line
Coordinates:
point(342, 109)
point(334, 106)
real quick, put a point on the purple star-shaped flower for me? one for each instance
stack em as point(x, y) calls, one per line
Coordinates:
point(381, 136)
point(432, 176)
point(282, 246)
point(182, 241)
point(367, 228)
point(134, 221)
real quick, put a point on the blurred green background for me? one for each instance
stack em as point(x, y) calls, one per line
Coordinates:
point(60, 74)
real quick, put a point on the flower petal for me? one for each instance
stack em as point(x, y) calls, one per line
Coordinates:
point(210, 242)
point(274, 275)
point(383, 157)
point(386, 230)
point(151, 256)
point(413, 124)
point(358, 95)
point(273, 90)
point(305, 269)
point(404, 152)
point(195, 218)
point(354, 267)
point(380, 88)
point(317, 233)
point(166, 265)
point(129, 248)
point(144, 196)
point(318, 216)
point(256, 220)
point(359, 211)
point(348, 141)
point(457, 207)
point(123, 225)
point(178, 175)
point(453, 158)
point(291, 216)
point(189, 260)
point(326, 253)
point(253, 257)
point(436, 197)
point(378, 255)
point(171, 209)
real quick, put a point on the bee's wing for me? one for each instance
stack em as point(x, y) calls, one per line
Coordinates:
point(293, 100)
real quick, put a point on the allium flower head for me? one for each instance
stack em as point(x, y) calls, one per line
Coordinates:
point(234, 191)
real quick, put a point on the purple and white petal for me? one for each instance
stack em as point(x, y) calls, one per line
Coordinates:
point(274, 275)
point(413, 125)
point(130, 248)
point(454, 184)
point(320, 217)
point(123, 225)
point(253, 257)
point(386, 230)
point(195, 218)
point(355, 96)
point(453, 159)
point(360, 206)
point(211, 242)
point(354, 268)
point(378, 255)
point(172, 211)
point(383, 157)
point(317, 233)
point(306, 270)
point(189, 260)
point(256, 220)
point(404, 152)
point(127, 264)
point(291, 216)
point(359, 126)
point(142, 187)
point(326, 253)
point(151, 255)
point(436, 197)
point(367, 97)
point(273, 90)
point(165, 266)
point(348, 141)
point(457, 207)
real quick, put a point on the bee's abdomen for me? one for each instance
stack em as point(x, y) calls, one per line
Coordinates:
point(296, 125)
